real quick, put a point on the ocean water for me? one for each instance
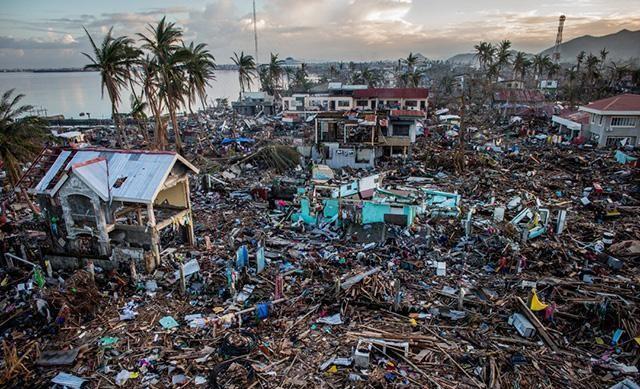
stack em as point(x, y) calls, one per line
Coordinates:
point(71, 93)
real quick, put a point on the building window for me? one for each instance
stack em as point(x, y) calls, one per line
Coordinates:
point(600, 123)
point(623, 121)
point(621, 140)
point(411, 103)
point(343, 103)
point(362, 103)
point(401, 129)
point(81, 210)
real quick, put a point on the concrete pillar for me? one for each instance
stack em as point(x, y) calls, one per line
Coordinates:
point(190, 234)
point(155, 236)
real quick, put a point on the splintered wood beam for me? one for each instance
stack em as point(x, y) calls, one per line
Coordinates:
point(534, 320)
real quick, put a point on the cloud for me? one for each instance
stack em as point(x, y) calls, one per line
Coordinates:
point(50, 42)
point(328, 29)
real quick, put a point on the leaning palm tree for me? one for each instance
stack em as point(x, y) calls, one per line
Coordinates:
point(113, 59)
point(200, 66)
point(164, 41)
point(246, 70)
point(21, 137)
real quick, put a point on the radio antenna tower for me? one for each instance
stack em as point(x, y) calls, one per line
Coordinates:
point(255, 31)
point(556, 49)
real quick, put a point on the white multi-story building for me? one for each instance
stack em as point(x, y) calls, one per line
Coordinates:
point(614, 121)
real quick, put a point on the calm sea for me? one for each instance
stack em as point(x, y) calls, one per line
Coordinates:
point(69, 94)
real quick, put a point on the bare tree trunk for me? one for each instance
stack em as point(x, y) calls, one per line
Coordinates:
point(120, 140)
point(174, 123)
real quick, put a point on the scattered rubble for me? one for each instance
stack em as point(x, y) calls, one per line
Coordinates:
point(521, 270)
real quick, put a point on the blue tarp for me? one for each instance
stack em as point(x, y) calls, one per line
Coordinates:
point(226, 141)
point(624, 158)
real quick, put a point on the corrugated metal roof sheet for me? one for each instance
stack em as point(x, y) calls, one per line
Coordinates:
point(51, 173)
point(145, 172)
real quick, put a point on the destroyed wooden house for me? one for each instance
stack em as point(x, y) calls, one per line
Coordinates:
point(356, 139)
point(107, 204)
point(512, 101)
point(254, 103)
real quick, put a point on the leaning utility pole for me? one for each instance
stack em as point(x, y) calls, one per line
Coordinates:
point(255, 31)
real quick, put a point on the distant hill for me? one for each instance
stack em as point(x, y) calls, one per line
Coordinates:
point(621, 45)
point(463, 59)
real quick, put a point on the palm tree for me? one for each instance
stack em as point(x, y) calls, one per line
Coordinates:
point(149, 77)
point(485, 53)
point(200, 66)
point(503, 54)
point(603, 57)
point(369, 77)
point(579, 59)
point(300, 77)
point(246, 70)
point(413, 79)
point(164, 42)
point(113, 59)
point(21, 137)
point(411, 62)
point(275, 71)
point(616, 73)
point(520, 64)
point(592, 72)
point(138, 108)
point(553, 69)
point(540, 64)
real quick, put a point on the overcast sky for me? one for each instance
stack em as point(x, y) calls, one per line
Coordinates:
point(48, 33)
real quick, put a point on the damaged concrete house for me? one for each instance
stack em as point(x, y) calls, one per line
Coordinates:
point(357, 138)
point(117, 205)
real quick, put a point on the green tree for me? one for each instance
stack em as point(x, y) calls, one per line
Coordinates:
point(164, 42)
point(521, 64)
point(275, 72)
point(21, 136)
point(113, 59)
point(503, 54)
point(411, 61)
point(200, 67)
point(246, 70)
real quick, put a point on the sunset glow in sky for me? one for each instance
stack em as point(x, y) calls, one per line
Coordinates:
point(48, 33)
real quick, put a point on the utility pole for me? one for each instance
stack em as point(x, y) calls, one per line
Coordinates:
point(255, 31)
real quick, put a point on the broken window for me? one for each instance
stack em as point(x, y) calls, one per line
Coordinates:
point(401, 129)
point(81, 210)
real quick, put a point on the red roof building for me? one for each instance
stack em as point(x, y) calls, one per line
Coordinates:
point(392, 93)
point(627, 103)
